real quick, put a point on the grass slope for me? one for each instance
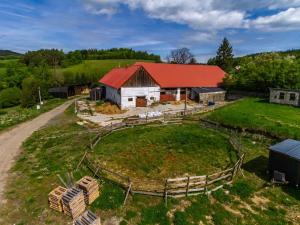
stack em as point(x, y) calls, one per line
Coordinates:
point(280, 120)
point(100, 67)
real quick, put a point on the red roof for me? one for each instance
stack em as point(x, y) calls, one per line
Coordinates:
point(169, 75)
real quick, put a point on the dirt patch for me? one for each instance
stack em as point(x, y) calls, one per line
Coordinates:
point(260, 201)
point(233, 211)
point(109, 109)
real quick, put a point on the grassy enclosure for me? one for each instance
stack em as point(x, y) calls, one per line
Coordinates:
point(279, 120)
point(157, 153)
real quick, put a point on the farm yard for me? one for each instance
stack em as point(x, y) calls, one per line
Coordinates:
point(149, 152)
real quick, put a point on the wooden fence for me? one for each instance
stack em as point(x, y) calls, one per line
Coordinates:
point(172, 187)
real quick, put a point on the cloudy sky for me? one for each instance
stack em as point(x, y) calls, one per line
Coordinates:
point(157, 26)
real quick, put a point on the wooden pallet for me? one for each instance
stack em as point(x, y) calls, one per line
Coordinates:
point(90, 189)
point(87, 218)
point(73, 202)
point(55, 198)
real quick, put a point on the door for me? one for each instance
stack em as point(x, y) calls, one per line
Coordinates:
point(141, 101)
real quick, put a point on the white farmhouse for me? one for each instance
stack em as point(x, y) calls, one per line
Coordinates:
point(143, 83)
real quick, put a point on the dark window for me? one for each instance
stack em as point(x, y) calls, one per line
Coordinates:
point(152, 98)
point(281, 95)
point(292, 97)
point(130, 99)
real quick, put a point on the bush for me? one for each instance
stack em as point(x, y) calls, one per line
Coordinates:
point(155, 215)
point(180, 218)
point(30, 93)
point(199, 208)
point(242, 189)
point(10, 97)
point(221, 196)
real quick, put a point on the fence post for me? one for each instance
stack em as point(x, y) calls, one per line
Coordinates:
point(187, 186)
point(206, 188)
point(166, 193)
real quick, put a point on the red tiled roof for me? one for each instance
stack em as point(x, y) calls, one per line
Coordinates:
point(118, 76)
point(169, 75)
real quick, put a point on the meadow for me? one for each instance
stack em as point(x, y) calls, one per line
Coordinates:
point(256, 114)
point(57, 149)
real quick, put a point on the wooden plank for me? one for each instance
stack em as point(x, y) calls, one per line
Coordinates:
point(127, 193)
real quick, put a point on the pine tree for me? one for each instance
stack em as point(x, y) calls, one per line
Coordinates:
point(224, 57)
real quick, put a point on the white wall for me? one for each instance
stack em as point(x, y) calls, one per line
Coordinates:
point(113, 95)
point(133, 92)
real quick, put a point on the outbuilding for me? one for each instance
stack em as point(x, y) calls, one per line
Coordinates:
point(285, 96)
point(284, 158)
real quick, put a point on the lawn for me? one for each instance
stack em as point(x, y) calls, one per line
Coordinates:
point(279, 120)
point(57, 148)
point(157, 153)
point(15, 115)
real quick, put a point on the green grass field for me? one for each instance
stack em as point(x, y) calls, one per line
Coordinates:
point(4, 63)
point(280, 120)
point(157, 153)
point(57, 148)
point(99, 67)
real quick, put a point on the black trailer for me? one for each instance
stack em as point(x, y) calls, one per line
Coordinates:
point(284, 160)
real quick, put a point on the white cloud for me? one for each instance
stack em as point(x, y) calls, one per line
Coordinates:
point(288, 19)
point(210, 15)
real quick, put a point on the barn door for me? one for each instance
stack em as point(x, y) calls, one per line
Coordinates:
point(141, 102)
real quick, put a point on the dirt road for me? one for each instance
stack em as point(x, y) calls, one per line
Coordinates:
point(11, 141)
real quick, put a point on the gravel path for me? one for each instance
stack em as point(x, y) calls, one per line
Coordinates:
point(11, 141)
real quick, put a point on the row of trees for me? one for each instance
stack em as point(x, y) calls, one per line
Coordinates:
point(55, 57)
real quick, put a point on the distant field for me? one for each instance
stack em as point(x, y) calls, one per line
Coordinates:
point(99, 66)
point(280, 120)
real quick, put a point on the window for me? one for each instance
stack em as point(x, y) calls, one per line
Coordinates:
point(152, 98)
point(281, 95)
point(292, 97)
point(130, 99)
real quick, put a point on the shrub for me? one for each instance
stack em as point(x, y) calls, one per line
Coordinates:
point(199, 208)
point(155, 215)
point(180, 218)
point(221, 196)
point(30, 94)
point(242, 189)
point(10, 97)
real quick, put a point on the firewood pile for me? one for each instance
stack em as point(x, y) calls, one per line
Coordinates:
point(55, 198)
point(87, 218)
point(73, 202)
point(90, 189)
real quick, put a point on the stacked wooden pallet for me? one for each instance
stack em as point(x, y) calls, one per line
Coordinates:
point(87, 218)
point(54, 198)
point(73, 202)
point(90, 189)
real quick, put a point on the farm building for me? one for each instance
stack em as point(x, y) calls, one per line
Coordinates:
point(283, 96)
point(68, 91)
point(143, 83)
point(206, 95)
point(284, 161)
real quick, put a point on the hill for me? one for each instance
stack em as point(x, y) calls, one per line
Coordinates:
point(7, 54)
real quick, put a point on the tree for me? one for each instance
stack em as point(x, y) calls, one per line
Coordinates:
point(30, 94)
point(180, 56)
point(10, 97)
point(224, 58)
point(193, 61)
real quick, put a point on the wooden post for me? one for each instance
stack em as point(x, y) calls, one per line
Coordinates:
point(166, 193)
point(187, 186)
point(127, 193)
point(81, 160)
point(205, 188)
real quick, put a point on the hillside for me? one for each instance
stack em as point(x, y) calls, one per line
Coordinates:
point(292, 52)
point(6, 54)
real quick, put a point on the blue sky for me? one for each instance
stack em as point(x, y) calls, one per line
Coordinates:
point(157, 26)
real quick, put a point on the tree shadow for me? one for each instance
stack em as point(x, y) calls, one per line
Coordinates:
point(258, 166)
